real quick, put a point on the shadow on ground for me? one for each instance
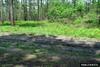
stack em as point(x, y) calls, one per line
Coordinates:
point(25, 50)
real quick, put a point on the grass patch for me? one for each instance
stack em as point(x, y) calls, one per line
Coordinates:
point(47, 28)
point(98, 56)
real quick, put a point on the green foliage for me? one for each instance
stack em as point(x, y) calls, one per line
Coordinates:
point(47, 28)
point(78, 20)
point(59, 10)
point(80, 6)
point(98, 55)
point(90, 18)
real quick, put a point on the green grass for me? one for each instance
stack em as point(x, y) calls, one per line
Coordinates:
point(98, 56)
point(47, 28)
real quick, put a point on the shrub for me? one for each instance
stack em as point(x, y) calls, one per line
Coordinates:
point(90, 18)
point(78, 20)
point(60, 11)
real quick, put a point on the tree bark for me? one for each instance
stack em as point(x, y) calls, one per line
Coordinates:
point(30, 9)
point(47, 8)
point(41, 17)
point(1, 11)
point(38, 2)
point(11, 12)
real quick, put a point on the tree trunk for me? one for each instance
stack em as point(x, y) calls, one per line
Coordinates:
point(98, 11)
point(11, 12)
point(1, 12)
point(30, 9)
point(38, 2)
point(74, 2)
point(47, 8)
point(98, 7)
point(25, 10)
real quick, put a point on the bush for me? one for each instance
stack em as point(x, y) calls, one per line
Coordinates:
point(60, 11)
point(90, 18)
point(78, 20)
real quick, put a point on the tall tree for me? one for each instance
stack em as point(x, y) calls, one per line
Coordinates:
point(47, 9)
point(41, 17)
point(98, 10)
point(25, 10)
point(74, 2)
point(38, 11)
point(88, 2)
point(30, 9)
point(11, 12)
point(1, 11)
point(98, 6)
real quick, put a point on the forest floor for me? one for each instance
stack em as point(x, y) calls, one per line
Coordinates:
point(32, 44)
point(47, 28)
point(27, 50)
